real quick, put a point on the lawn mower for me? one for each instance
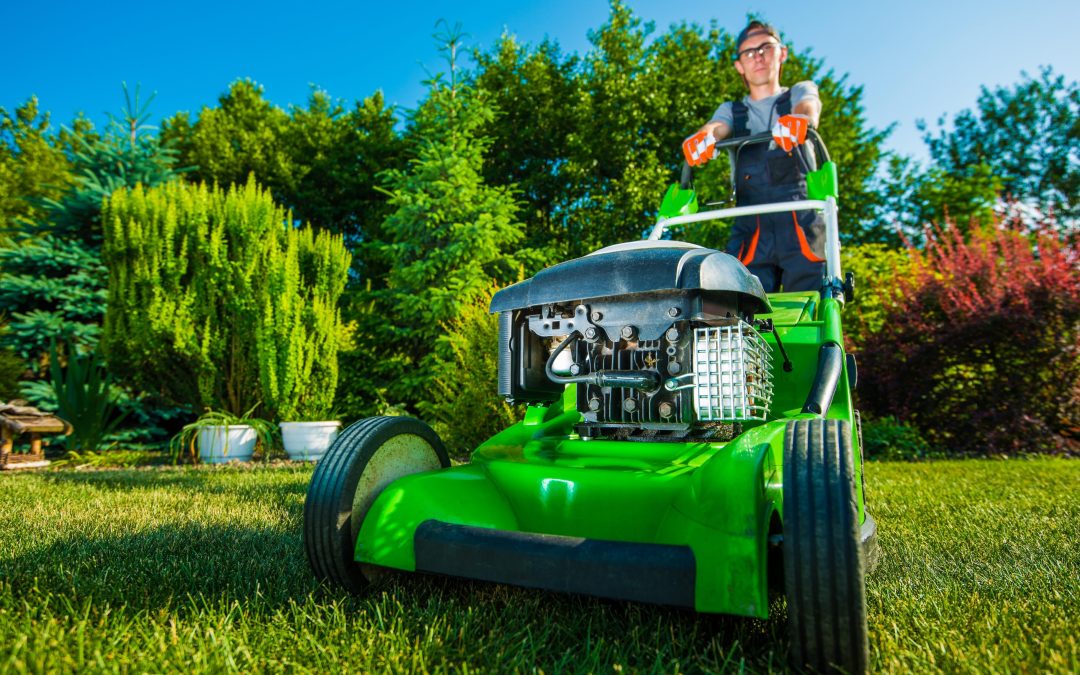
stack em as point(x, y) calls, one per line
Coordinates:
point(688, 440)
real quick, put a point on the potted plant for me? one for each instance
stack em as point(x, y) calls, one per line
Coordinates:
point(217, 437)
point(308, 437)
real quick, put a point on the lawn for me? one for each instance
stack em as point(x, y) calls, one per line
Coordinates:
point(203, 569)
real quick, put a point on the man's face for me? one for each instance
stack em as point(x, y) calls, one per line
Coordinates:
point(761, 66)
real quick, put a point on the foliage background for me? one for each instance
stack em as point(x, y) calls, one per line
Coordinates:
point(518, 156)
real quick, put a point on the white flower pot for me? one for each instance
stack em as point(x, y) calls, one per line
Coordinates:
point(234, 443)
point(308, 440)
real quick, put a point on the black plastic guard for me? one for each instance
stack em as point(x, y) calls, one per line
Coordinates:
point(649, 266)
point(656, 573)
point(830, 366)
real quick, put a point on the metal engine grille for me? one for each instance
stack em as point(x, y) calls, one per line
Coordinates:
point(732, 374)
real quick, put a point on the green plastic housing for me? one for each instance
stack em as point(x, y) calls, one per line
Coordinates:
point(823, 182)
point(721, 499)
point(677, 201)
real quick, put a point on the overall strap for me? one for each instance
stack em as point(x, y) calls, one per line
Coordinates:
point(782, 106)
point(740, 113)
point(740, 118)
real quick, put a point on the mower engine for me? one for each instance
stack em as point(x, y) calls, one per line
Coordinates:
point(659, 338)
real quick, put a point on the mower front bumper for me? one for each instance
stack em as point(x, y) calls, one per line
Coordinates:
point(656, 573)
point(661, 574)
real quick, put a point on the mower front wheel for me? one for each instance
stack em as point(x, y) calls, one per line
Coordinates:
point(824, 572)
point(364, 459)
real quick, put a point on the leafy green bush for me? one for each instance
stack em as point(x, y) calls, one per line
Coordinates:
point(217, 302)
point(876, 268)
point(980, 347)
point(890, 439)
point(84, 398)
point(301, 330)
point(11, 366)
point(464, 402)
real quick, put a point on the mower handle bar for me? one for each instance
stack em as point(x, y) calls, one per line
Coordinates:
point(827, 206)
point(686, 178)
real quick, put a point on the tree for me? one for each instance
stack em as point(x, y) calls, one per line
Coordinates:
point(33, 166)
point(320, 161)
point(916, 195)
point(51, 279)
point(128, 154)
point(244, 135)
point(533, 93)
point(55, 291)
point(450, 236)
point(337, 156)
point(613, 167)
point(1027, 134)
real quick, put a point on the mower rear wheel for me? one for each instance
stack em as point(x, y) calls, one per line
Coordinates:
point(824, 577)
point(364, 459)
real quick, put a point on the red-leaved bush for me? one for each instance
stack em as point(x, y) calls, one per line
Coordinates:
point(980, 348)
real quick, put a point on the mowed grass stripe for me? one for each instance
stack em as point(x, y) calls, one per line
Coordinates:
point(203, 569)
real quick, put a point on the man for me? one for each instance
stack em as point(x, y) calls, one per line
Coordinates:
point(782, 249)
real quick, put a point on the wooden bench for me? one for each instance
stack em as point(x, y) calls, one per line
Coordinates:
point(19, 420)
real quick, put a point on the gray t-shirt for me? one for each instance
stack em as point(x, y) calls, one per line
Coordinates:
point(760, 114)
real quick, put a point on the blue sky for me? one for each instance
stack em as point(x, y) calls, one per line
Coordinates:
point(914, 58)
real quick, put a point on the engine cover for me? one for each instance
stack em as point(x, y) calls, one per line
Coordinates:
point(656, 335)
point(635, 268)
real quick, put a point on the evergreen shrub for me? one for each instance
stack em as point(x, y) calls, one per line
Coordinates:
point(464, 402)
point(888, 438)
point(217, 301)
point(54, 289)
point(980, 347)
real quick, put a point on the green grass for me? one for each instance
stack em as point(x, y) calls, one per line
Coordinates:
point(203, 569)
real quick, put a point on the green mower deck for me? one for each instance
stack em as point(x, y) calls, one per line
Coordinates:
point(688, 440)
point(673, 523)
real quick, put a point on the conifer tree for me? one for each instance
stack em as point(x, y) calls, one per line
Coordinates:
point(450, 236)
point(52, 281)
point(128, 154)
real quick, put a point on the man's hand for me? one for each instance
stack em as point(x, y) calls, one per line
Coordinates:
point(699, 148)
point(790, 130)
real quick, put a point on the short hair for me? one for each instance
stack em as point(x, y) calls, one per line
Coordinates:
point(753, 28)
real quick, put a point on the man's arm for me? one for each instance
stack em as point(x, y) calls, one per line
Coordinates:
point(811, 107)
point(805, 101)
point(719, 130)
